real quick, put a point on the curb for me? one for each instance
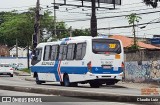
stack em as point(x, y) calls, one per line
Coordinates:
point(30, 79)
point(78, 94)
point(20, 73)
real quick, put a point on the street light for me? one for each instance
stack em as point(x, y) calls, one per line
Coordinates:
point(143, 27)
point(149, 23)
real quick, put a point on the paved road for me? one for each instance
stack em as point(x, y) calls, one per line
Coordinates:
point(79, 101)
point(19, 81)
point(14, 93)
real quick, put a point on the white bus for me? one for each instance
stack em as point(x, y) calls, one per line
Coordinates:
point(82, 59)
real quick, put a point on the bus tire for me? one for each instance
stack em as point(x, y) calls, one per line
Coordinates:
point(39, 82)
point(62, 83)
point(94, 84)
point(66, 80)
point(11, 75)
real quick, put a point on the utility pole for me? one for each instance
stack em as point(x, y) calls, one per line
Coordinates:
point(16, 47)
point(93, 20)
point(109, 28)
point(36, 35)
point(55, 33)
point(28, 65)
point(70, 31)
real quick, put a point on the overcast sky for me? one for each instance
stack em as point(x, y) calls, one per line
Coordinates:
point(74, 13)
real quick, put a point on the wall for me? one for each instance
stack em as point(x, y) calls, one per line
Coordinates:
point(142, 65)
point(14, 60)
point(145, 72)
point(143, 55)
point(4, 50)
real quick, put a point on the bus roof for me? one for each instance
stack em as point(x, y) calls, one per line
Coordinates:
point(72, 39)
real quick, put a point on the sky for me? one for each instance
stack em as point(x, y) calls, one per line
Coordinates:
point(72, 15)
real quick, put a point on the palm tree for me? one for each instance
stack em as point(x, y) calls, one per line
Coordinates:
point(153, 3)
point(132, 18)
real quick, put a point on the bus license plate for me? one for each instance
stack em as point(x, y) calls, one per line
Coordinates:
point(106, 67)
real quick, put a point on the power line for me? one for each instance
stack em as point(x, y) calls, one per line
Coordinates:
point(107, 17)
point(141, 30)
point(128, 11)
point(18, 7)
point(103, 10)
point(149, 29)
point(107, 12)
point(109, 28)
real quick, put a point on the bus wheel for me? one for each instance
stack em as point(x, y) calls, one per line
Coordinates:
point(39, 82)
point(94, 84)
point(62, 83)
point(11, 75)
point(66, 80)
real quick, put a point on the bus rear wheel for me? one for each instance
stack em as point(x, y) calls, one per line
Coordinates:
point(11, 75)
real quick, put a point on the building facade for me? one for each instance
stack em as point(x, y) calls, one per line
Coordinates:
point(4, 51)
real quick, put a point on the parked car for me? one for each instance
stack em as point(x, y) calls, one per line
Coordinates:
point(14, 65)
point(6, 69)
point(20, 66)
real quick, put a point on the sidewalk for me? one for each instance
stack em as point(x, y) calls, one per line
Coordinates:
point(132, 85)
point(21, 73)
point(139, 86)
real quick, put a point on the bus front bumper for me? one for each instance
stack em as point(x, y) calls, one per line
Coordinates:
point(105, 76)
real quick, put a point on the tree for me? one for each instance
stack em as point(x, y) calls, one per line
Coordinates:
point(132, 18)
point(153, 3)
point(79, 32)
point(15, 25)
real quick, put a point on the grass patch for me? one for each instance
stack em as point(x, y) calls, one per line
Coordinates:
point(26, 70)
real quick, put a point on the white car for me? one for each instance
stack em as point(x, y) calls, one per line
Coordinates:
point(20, 66)
point(6, 69)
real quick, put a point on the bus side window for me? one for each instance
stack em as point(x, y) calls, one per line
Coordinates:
point(83, 50)
point(62, 52)
point(54, 52)
point(47, 53)
point(70, 51)
point(80, 51)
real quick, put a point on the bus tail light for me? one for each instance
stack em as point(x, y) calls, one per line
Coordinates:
point(89, 65)
point(122, 65)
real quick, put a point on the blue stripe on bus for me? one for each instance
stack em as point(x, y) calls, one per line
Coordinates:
point(73, 70)
point(54, 70)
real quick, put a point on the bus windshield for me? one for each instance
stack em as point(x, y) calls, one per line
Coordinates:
point(104, 46)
